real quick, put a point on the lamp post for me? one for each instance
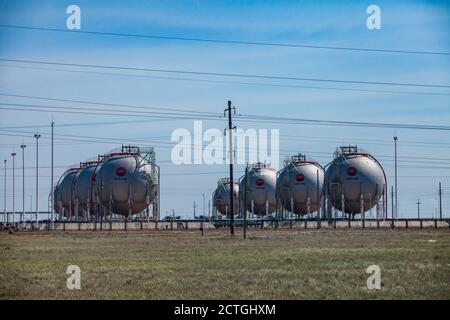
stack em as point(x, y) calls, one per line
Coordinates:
point(13, 189)
point(23, 146)
point(37, 136)
point(204, 205)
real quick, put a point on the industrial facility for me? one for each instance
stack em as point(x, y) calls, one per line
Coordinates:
point(355, 182)
point(352, 184)
point(122, 183)
point(221, 198)
point(300, 185)
point(125, 182)
point(257, 190)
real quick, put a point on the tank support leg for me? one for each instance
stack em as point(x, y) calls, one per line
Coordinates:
point(110, 211)
point(363, 216)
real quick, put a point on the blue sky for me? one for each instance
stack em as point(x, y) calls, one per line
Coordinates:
point(406, 25)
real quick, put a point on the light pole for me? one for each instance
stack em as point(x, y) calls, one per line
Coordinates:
point(418, 209)
point(5, 217)
point(23, 146)
point(13, 189)
point(395, 170)
point(37, 136)
point(204, 206)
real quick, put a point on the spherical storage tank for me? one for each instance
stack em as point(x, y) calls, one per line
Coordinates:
point(221, 197)
point(126, 183)
point(56, 204)
point(260, 189)
point(86, 188)
point(300, 185)
point(65, 193)
point(354, 181)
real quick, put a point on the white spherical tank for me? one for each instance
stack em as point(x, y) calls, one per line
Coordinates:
point(86, 188)
point(354, 181)
point(221, 197)
point(66, 193)
point(126, 183)
point(300, 185)
point(56, 204)
point(260, 189)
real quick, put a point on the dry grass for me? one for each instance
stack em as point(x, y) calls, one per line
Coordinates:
point(270, 264)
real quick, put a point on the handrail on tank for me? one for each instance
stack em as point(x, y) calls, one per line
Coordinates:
point(258, 165)
point(225, 181)
point(131, 150)
point(89, 163)
point(122, 154)
point(345, 151)
point(300, 157)
point(298, 160)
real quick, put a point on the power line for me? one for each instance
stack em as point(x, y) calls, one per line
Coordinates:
point(243, 117)
point(94, 123)
point(165, 109)
point(31, 108)
point(253, 43)
point(278, 120)
point(342, 140)
point(230, 82)
point(154, 140)
point(164, 144)
point(123, 112)
point(221, 74)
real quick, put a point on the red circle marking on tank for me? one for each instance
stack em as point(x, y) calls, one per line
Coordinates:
point(121, 171)
point(351, 171)
point(300, 177)
point(259, 182)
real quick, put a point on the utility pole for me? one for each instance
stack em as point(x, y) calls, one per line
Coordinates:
point(23, 146)
point(5, 217)
point(37, 136)
point(395, 168)
point(318, 197)
point(418, 209)
point(51, 184)
point(392, 202)
point(440, 201)
point(13, 189)
point(230, 141)
point(245, 201)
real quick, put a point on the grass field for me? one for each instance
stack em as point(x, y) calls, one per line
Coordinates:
point(270, 264)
